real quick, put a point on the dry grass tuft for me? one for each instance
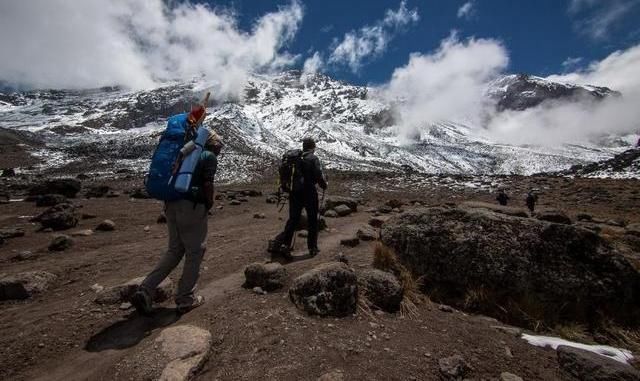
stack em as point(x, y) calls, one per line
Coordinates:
point(385, 259)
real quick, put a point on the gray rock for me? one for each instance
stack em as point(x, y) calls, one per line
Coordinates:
point(24, 256)
point(382, 289)
point(394, 203)
point(507, 210)
point(106, 226)
point(588, 366)
point(367, 233)
point(454, 367)
point(123, 292)
point(50, 200)
point(331, 202)
point(335, 375)
point(24, 285)
point(584, 217)
point(342, 210)
point(385, 209)
point(269, 276)
point(350, 242)
point(8, 233)
point(331, 214)
point(82, 233)
point(514, 331)
point(468, 250)
point(183, 349)
point(555, 216)
point(66, 187)
point(259, 216)
point(58, 217)
point(235, 202)
point(506, 376)
point(330, 289)
point(97, 191)
point(378, 221)
point(60, 243)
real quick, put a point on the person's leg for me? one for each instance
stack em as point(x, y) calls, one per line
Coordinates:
point(192, 227)
point(172, 256)
point(311, 206)
point(296, 204)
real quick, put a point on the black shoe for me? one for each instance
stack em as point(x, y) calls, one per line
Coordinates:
point(142, 302)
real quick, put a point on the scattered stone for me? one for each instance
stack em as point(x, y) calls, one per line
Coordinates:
point(259, 216)
point(272, 200)
point(335, 375)
point(235, 202)
point(633, 229)
point(454, 367)
point(162, 218)
point(82, 233)
point(243, 199)
point(97, 191)
point(556, 216)
point(378, 221)
point(96, 287)
point(331, 214)
point(394, 203)
point(382, 289)
point(88, 216)
point(589, 366)
point(385, 209)
point(445, 308)
point(340, 257)
point(24, 285)
point(106, 226)
point(8, 233)
point(584, 217)
point(123, 292)
point(506, 376)
point(58, 217)
point(125, 306)
point(269, 277)
point(616, 222)
point(147, 229)
point(471, 249)
point(60, 243)
point(139, 193)
point(331, 202)
point(23, 256)
point(514, 331)
point(66, 187)
point(350, 242)
point(259, 291)
point(50, 200)
point(367, 233)
point(330, 289)
point(342, 210)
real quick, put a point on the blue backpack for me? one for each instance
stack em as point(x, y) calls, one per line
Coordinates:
point(159, 182)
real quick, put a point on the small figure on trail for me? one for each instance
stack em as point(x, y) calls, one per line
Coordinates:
point(187, 219)
point(300, 172)
point(531, 200)
point(502, 197)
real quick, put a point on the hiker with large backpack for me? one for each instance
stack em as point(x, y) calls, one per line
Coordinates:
point(182, 172)
point(300, 172)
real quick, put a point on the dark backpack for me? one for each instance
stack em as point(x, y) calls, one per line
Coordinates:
point(290, 171)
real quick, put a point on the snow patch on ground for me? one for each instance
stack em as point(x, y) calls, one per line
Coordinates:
point(620, 355)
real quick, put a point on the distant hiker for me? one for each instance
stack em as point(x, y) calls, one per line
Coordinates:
point(187, 219)
point(531, 200)
point(502, 197)
point(300, 173)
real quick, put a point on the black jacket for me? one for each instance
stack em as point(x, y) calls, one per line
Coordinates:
point(312, 172)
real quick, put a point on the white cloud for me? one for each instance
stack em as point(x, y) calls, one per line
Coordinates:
point(466, 10)
point(447, 84)
point(312, 65)
point(596, 18)
point(137, 44)
point(371, 40)
point(571, 62)
point(569, 121)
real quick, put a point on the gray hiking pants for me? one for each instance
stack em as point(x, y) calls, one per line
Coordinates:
point(187, 226)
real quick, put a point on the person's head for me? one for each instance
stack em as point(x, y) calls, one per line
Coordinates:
point(308, 144)
point(196, 115)
point(214, 143)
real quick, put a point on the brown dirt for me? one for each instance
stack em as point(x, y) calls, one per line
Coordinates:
point(62, 334)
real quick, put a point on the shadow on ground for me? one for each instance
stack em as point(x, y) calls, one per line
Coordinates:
point(129, 332)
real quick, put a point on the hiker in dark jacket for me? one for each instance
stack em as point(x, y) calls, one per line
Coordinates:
point(502, 197)
point(531, 200)
point(187, 221)
point(305, 196)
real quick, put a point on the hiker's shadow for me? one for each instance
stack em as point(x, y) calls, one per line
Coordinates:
point(129, 332)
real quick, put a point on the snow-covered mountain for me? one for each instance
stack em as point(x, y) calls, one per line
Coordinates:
point(111, 128)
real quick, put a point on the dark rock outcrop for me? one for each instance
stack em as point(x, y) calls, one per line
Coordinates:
point(269, 276)
point(382, 289)
point(58, 217)
point(66, 187)
point(330, 289)
point(60, 243)
point(24, 285)
point(583, 365)
point(333, 201)
point(555, 271)
point(50, 200)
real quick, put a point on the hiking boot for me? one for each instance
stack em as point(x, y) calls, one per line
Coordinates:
point(142, 302)
point(313, 252)
point(197, 301)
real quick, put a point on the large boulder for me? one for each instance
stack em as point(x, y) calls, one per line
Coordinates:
point(382, 289)
point(58, 217)
point(24, 285)
point(588, 366)
point(367, 233)
point(123, 292)
point(562, 271)
point(50, 200)
point(343, 210)
point(269, 276)
point(557, 216)
point(330, 289)
point(332, 201)
point(66, 187)
point(508, 210)
point(60, 243)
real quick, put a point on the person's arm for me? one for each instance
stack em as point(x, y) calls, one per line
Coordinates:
point(317, 171)
point(210, 167)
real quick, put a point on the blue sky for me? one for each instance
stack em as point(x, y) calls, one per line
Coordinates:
point(539, 35)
